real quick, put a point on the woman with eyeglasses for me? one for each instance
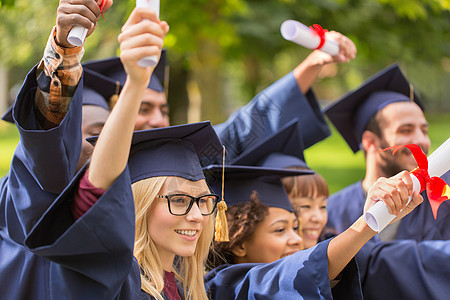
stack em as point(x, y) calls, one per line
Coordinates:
point(135, 223)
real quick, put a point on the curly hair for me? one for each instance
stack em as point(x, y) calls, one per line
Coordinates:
point(242, 220)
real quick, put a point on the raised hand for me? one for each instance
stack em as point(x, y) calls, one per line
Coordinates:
point(77, 12)
point(142, 35)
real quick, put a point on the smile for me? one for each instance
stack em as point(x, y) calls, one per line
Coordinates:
point(189, 233)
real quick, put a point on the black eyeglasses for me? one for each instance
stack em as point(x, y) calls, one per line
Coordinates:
point(181, 204)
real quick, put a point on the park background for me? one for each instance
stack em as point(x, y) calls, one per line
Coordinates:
point(223, 52)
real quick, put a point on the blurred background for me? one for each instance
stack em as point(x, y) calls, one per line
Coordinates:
point(223, 52)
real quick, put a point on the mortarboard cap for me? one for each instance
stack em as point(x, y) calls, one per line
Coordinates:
point(286, 141)
point(351, 114)
point(241, 181)
point(112, 69)
point(172, 151)
point(8, 115)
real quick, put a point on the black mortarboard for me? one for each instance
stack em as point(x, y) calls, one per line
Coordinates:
point(353, 111)
point(172, 151)
point(286, 141)
point(242, 181)
point(112, 69)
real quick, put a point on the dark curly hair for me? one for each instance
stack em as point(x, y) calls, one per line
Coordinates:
point(242, 220)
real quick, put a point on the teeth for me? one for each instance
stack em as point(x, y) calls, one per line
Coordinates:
point(187, 232)
point(311, 232)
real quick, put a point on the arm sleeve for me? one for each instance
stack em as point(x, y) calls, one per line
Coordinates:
point(58, 75)
point(303, 275)
point(268, 111)
point(405, 269)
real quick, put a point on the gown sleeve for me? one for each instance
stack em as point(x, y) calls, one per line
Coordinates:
point(44, 161)
point(303, 275)
point(91, 258)
point(268, 111)
point(410, 270)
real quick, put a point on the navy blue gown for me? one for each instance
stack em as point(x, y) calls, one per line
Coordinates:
point(303, 275)
point(268, 112)
point(412, 266)
point(43, 164)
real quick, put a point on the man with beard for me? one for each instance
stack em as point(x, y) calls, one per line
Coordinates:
point(409, 259)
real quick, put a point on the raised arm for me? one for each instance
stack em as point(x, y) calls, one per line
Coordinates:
point(395, 192)
point(141, 36)
point(308, 70)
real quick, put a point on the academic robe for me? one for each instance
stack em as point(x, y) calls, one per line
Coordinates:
point(412, 266)
point(43, 164)
point(268, 112)
point(303, 275)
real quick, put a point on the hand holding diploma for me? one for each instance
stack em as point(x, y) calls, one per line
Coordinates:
point(76, 21)
point(379, 216)
point(298, 33)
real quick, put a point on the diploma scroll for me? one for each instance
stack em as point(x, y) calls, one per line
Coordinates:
point(378, 216)
point(298, 33)
point(149, 61)
point(77, 35)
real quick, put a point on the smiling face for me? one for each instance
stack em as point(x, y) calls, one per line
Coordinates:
point(312, 211)
point(401, 123)
point(176, 235)
point(153, 112)
point(273, 238)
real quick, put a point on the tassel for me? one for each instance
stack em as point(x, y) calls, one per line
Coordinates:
point(221, 226)
point(114, 98)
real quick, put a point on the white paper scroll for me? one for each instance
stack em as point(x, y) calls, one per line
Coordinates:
point(378, 216)
point(149, 61)
point(77, 35)
point(298, 33)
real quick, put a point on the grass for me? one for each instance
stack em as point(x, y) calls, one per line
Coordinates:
point(332, 158)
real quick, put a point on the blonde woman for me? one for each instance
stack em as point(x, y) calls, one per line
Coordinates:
point(133, 225)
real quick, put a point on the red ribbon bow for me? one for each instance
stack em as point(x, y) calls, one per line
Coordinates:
point(437, 189)
point(320, 32)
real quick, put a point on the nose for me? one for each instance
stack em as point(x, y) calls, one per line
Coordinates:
point(194, 215)
point(157, 119)
point(316, 216)
point(422, 140)
point(295, 239)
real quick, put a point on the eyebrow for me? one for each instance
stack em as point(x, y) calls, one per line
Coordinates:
point(184, 193)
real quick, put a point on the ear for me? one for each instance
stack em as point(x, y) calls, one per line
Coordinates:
point(370, 141)
point(239, 250)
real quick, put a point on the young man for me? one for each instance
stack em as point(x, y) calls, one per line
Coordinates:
point(381, 113)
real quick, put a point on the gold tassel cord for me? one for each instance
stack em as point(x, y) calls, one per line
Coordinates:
point(221, 226)
point(115, 97)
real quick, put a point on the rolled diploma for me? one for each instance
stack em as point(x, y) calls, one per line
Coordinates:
point(149, 61)
point(298, 33)
point(378, 216)
point(77, 35)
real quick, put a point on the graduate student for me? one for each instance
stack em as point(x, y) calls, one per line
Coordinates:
point(47, 113)
point(172, 203)
point(381, 113)
point(262, 258)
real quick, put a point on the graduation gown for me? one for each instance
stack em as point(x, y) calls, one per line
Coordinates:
point(42, 165)
point(303, 275)
point(412, 266)
point(268, 112)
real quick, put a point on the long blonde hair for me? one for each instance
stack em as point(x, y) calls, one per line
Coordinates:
point(188, 270)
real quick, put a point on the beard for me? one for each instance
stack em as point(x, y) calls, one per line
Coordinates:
point(391, 164)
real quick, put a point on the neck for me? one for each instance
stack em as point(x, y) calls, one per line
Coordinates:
point(167, 261)
point(373, 172)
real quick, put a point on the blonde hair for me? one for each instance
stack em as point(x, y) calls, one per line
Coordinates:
point(188, 270)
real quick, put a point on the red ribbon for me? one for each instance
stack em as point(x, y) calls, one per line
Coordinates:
point(320, 32)
point(435, 186)
point(101, 8)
